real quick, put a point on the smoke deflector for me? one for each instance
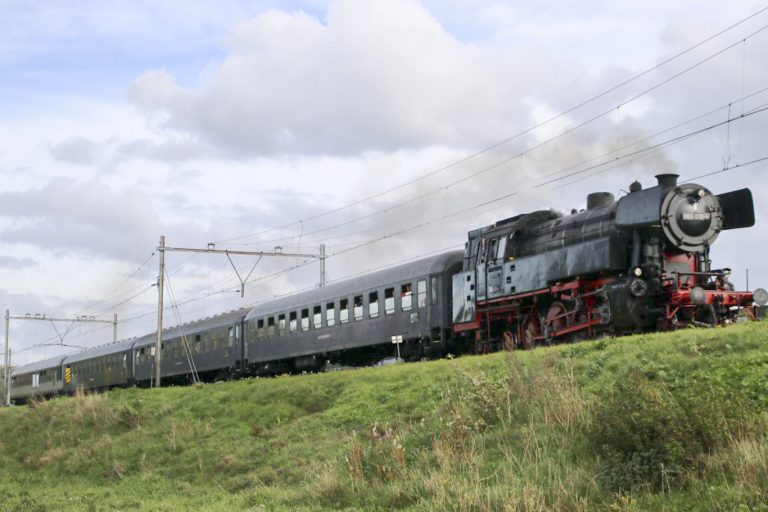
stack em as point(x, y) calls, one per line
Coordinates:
point(738, 209)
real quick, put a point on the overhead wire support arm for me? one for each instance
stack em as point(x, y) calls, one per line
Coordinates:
point(211, 249)
point(243, 253)
point(243, 281)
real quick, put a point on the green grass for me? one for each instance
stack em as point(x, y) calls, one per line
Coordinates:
point(671, 421)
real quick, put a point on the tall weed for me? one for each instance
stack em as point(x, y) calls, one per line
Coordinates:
point(649, 437)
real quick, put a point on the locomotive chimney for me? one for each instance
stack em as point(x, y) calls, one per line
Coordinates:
point(599, 199)
point(667, 180)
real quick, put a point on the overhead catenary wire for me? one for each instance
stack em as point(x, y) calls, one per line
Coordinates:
point(656, 134)
point(123, 283)
point(465, 210)
point(532, 128)
point(424, 224)
point(528, 150)
point(654, 147)
point(195, 299)
point(571, 167)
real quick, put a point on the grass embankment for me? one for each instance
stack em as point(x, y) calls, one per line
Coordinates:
point(675, 421)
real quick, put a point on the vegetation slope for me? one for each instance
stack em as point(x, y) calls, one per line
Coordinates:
point(672, 421)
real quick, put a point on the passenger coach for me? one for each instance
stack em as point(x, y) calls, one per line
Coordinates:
point(349, 323)
point(356, 321)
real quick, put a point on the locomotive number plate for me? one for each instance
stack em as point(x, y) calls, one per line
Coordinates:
point(696, 216)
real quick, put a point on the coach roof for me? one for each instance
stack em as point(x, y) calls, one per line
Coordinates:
point(204, 324)
point(368, 281)
point(46, 364)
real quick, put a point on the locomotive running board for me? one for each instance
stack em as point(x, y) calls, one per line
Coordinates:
point(577, 327)
point(467, 326)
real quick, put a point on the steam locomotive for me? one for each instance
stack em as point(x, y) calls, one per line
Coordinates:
point(636, 264)
point(624, 266)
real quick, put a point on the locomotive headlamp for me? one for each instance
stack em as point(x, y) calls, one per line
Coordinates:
point(760, 296)
point(698, 295)
point(637, 271)
point(702, 192)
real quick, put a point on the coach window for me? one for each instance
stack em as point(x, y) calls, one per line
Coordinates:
point(422, 290)
point(344, 311)
point(433, 290)
point(373, 304)
point(293, 324)
point(389, 301)
point(260, 328)
point(330, 314)
point(406, 297)
point(270, 326)
point(231, 337)
point(358, 307)
point(305, 319)
point(317, 317)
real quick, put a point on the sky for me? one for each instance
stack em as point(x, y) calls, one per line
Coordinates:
point(383, 129)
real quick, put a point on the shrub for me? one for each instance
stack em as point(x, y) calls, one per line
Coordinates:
point(648, 436)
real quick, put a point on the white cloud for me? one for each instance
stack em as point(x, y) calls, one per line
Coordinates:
point(76, 150)
point(87, 218)
point(12, 262)
point(374, 76)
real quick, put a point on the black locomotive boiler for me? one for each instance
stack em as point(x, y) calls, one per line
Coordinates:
point(635, 264)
